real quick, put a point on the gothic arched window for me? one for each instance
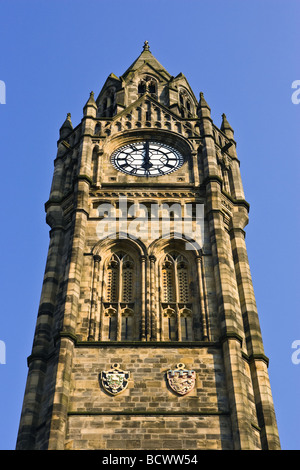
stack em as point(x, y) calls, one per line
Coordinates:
point(119, 301)
point(176, 298)
point(142, 87)
point(113, 271)
point(108, 103)
point(168, 281)
point(183, 287)
point(147, 84)
point(186, 107)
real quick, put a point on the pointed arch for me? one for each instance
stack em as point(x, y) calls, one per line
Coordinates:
point(178, 289)
point(120, 302)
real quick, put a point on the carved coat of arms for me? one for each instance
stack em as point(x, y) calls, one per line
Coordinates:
point(181, 380)
point(114, 380)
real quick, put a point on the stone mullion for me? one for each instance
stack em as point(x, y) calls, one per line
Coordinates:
point(153, 309)
point(148, 303)
point(160, 300)
point(201, 295)
point(120, 289)
point(101, 306)
point(143, 295)
point(177, 313)
point(258, 363)
point(205, 295)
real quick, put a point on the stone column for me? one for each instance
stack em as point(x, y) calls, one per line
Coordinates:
point(229, 314)
point(94, 297)
point(153, 308)
point(195, 167)
point(232, 337)
point(202, 298)
point(67, 335)
point(258, 361)
point(143, 294)
point(37, 361)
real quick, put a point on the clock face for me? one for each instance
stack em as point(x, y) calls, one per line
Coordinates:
point(147, 159)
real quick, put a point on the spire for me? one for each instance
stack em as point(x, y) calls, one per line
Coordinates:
point(67, 127)
point(146, 56)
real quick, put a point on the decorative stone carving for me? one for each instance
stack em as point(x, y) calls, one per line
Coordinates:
point(181, 380)
point(115, 380)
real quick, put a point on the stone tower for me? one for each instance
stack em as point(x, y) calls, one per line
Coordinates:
point(147, 334)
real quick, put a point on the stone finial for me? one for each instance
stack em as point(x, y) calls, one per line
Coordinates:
point(66, 128)
point(146, 46)
point(68, 122)
point(225, 126)
point(202, 103)
point(90, 107)
point(91, 98)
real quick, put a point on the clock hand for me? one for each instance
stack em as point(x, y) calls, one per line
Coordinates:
point(147, 164)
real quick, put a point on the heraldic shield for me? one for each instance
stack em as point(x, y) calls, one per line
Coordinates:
point(114, 380)
point(181, 380)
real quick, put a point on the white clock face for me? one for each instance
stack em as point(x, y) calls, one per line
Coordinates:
point(147, 158)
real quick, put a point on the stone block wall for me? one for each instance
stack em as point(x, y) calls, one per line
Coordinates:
point(148, 414)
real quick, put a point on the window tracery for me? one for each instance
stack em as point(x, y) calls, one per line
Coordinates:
point(147, 85)
point(107, 107)
point(185, 104)
point(176, 298)
point(119, 301)
point(168, 309)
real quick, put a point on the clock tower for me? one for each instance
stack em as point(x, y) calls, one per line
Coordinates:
point(147, 334)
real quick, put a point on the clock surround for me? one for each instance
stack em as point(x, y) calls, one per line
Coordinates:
point(147, 158)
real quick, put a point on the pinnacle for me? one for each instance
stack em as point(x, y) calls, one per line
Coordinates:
point(91, 98)
point(225, 124)
point(202, 101)
point(68, 122)
point(67, 127)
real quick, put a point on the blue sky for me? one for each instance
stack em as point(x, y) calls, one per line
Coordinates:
point(243, 55)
